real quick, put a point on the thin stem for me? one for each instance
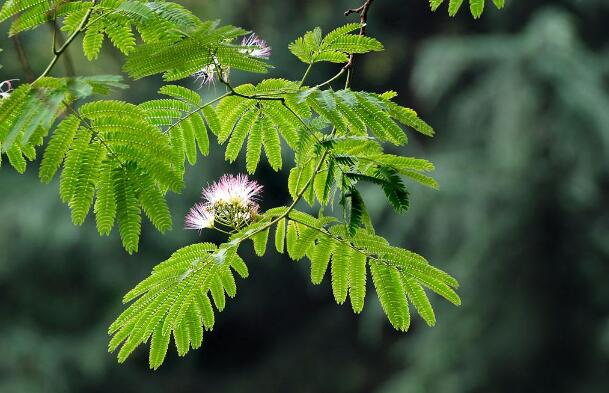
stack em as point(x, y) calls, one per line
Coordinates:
point(304, 77)
point(293, 204)
point(58, 52)
point(101, 15)
point(189, 114)
point(348, 79)
point(335, 77)
point(306, 126)
point(330, 235)
point(59, 39)
point(347, 243)
point(221, 230)
point(254, 97)
point(54, 27)
point(363, 18)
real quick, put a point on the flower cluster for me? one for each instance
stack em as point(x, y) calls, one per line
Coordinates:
point(6, 88)
point(230, 202)
point(209, 74)
point(252, 45)
point(199, 217)
point(256, 47)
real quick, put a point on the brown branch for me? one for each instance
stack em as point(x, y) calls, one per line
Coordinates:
point(57, 52)
point(363, 18)
point(25, 64)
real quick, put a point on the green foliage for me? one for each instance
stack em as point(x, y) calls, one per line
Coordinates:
point(185, 119)
point(121, 159)
point(335, 47)
point(261, 121)
point(357, 156)
point(175, 300)
point(476, 6)
point(118, 157)
point(177, 59)
point(360, 121)
point(349, 255)
point(137, 154)
point(32, 13)
point(107, 148)
point(28, 114)
point(155, 21)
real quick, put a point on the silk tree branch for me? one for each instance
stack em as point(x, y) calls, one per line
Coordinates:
point(57, 52)
point(59, 39)
point(363, 18)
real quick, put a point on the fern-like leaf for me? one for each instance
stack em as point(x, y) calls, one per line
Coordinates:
point(174, 300)
point(476, 6)
point(334, 47)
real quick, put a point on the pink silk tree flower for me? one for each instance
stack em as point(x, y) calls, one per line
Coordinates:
point(234, 190)
point(199, 217)
point(230, 202)
point(6, 88)
point(205, 76)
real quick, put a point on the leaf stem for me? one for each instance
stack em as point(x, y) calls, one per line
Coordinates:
point(95, 133)
point(335, 77)
point(233, 92)
point(334, 237)
point(189, 114)
point(304, 77)
point(291, 207)
point(58, 52)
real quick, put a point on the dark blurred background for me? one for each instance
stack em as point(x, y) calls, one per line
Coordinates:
point(520, 102)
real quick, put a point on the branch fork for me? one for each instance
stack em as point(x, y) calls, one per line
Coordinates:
point(362, 11)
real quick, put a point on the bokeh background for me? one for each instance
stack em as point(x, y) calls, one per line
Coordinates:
point(520, 102)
